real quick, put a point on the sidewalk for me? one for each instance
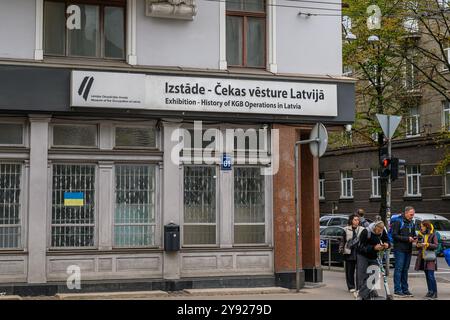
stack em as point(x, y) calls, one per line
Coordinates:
point(333, 288)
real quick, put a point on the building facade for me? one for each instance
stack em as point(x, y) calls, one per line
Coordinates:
point(123, 121)
point(350, 174)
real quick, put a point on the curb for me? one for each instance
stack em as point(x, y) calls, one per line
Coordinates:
point(10, 297)
point(235, 291)
point(111, 295)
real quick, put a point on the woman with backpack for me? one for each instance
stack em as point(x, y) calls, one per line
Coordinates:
point(426, 258)
point(348, 248)
point(372, 241)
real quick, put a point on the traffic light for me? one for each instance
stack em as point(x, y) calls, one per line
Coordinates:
point(385, 163)
point(397, 168)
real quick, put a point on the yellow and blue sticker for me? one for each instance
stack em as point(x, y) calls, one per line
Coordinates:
point(73, 199)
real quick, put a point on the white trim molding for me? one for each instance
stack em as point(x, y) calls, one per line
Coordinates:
point(39, 32)
point(223, 36)
point(131, 32)
point(272, 36)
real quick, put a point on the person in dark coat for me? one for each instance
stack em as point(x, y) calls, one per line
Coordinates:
point(404, 235)
point(372, 241)
point(348, 247)
point(427, 240)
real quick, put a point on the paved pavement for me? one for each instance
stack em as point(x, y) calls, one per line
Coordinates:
point(333, 288)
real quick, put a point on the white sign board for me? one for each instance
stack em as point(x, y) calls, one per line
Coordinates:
point(170, 93)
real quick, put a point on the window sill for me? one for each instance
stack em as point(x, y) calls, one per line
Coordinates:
point(446, 197)
point(412, 198)
point(95, 62)
point(14, 251)
point(375, 199)
point(346, 199)
point(78, 251)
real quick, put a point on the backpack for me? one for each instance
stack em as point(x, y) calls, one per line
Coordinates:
point(395, 218)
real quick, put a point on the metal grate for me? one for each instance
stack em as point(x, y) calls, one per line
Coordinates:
point(73, 226)
point(199, 205)
point(249, 205)
point(10, 175)
point(134, 223)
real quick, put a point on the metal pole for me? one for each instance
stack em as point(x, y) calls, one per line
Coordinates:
point(329, 254)
point(297, 223)
point(388, 200)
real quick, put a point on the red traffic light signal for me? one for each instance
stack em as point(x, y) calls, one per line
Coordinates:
point(386, 163)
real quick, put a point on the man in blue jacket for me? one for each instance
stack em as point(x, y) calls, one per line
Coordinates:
point(404, 235)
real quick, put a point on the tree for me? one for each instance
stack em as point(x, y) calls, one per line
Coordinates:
point(379, 68)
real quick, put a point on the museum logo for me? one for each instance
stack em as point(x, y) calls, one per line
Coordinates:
point(85, 87)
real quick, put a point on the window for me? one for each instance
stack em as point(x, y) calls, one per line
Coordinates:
point(347, 28)
point(446, 115)
point(446, 58)
point(98, 31)
point(410, 78)
point(246, 33)
point(199, 205)
point(322, 186)
point(346, 184)
point(413, 181)
point(10, 229)
point(324, 222)
point(73, 206)
point(134, 219)
point(412, 123)
point(376, 193)
point(135, 137)
point(249, 206)
point(11, 134)
point(444, 4)
point(411, 25)
point(74, 135)
point(447, 181)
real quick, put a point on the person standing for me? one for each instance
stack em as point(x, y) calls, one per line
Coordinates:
point(348, 248)
point(403, 235)
point(427, 241)
point(372, 240)
point(362, 221)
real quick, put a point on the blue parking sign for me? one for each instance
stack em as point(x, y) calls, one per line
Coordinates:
point(226, 162)
point(323, 244)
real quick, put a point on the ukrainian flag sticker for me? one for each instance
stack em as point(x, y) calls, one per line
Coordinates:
point(73, 199)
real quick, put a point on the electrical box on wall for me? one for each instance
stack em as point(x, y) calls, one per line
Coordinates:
point(171, 9)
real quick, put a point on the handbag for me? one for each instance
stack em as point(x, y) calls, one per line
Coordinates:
point(429, 255)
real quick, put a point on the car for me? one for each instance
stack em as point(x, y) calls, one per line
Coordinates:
point(330, 238)
point(440, 223)
point(335, 220)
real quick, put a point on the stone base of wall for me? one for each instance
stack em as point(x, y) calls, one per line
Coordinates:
point(51, 289)
point(288, 279)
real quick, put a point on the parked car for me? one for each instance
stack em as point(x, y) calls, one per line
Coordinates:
point(332, 236)
point(335, 220)
point(440, 223)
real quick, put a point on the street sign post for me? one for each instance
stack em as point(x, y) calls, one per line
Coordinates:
point(318, 142)
point(389, 125)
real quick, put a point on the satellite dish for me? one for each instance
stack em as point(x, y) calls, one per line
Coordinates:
point(320, 134)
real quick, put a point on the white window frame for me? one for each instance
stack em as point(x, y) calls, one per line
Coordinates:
point(345, 180)
point(446, 115)
point(321, 187)
point(413, 120)
point(413, 71)
point(50, 207)
point(217, 223)
point(375, 184)
point(447, 58)
point(23, 206)
point(414, 178)
point(74, 124)
point(24, 132)
point(151, 125)
point(266, 220)
point(155, 224)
